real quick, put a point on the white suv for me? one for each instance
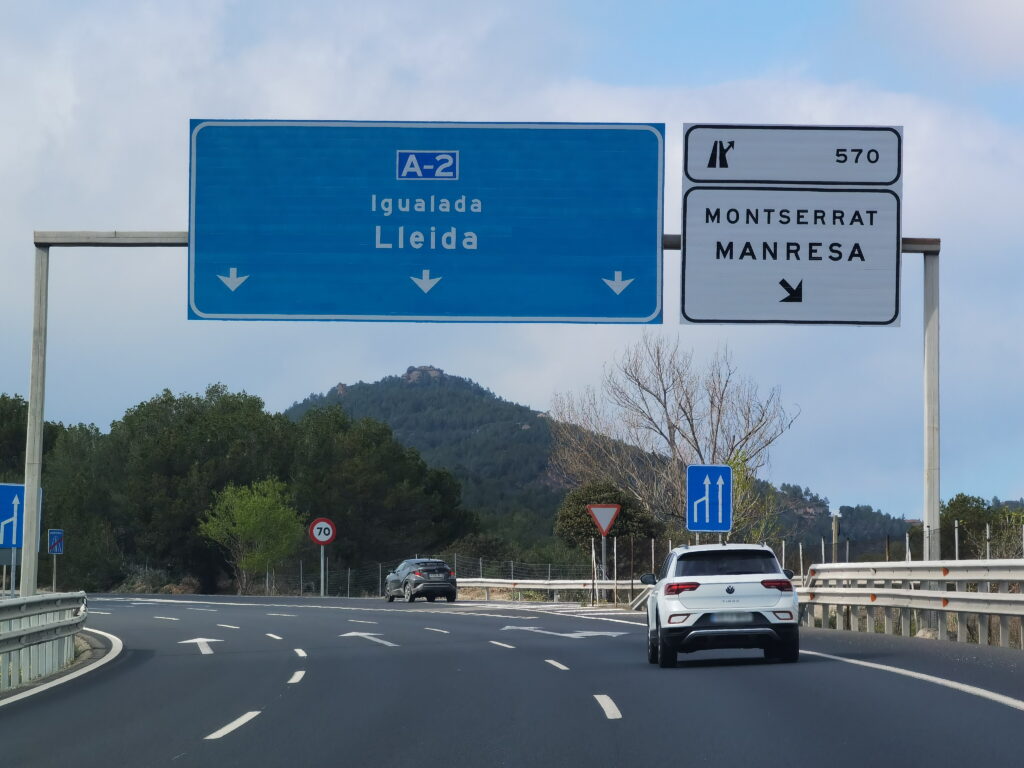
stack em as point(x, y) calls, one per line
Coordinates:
point(721, 596)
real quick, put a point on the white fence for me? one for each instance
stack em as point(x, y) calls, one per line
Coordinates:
point(37, 636)
point(964, 600)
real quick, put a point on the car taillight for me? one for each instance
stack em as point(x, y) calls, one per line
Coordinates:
point(783, 585)
point(675, 589)
point(452, 574)
point(417, 573)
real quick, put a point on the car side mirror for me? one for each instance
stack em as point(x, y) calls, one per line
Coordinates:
point(649, 578)
point(789, 573)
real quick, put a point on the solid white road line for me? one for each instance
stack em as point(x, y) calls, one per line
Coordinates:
point(610, 710)
point(165, 618)
point(208, 610)
point(101, 613)
point(227, 626)
point(443, 631)
point(503, 645)
point(998, 698)
point(274, 637)
point(281, 614)
point(300, 653)
point(296, 676)
point(116, 646)
point(360, 621)
point(238, 723)
point(556, 665)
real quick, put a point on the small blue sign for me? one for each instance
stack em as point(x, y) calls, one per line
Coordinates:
point(12, 515)
point(470, 222)
point(55, 541)
point(709, 498)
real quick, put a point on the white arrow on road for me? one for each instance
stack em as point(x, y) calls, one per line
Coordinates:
point(232, 281)
point(375, 637)
point(426, 282)
point(573, 635)
point(203, 643)
point(618, 284)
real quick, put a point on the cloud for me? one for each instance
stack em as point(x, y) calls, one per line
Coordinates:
point(95, 137)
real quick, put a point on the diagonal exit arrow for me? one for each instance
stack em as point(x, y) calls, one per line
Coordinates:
point(795, 295)
point(374, 636)
point(203, 643)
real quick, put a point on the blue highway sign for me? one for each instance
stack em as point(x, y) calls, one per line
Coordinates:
point(12, 515)
point(709, 498)
point(484, 222)
point(55, 541)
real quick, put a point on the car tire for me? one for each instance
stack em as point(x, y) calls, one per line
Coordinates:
point(789, 651)
point(389, 597)
point(409, 596)
point(652, 647)
point(450, 598)
point(667, 655)
point(430, 598)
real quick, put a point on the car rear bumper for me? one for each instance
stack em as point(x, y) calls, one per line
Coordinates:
point(434, 588)
point(687, 639)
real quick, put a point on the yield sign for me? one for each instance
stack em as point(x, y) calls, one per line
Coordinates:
point(604, 516)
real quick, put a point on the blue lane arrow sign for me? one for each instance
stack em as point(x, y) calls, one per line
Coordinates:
point(709, 498)
point(489, 222)
point(11, 515)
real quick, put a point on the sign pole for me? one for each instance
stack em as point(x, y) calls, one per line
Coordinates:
point(604, 564)
point(931, 405)
point(322, 584)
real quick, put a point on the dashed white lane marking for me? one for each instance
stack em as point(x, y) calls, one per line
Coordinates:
point(274, 637)
point(360, 621)
point(443, 631)
point(556, 665)
point(281, 614)
point(998, 698)
point(209, 610)
point(300, 653)
point(503, 645)
point(165, 618)
point(237, 723)
point(101, 613)
point(296, 676)
point(228, 626)
point(610, 710)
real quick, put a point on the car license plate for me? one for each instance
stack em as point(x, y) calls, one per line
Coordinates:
point(730, 618)
point(437, 575)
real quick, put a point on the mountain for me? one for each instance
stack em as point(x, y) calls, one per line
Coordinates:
point(498, 450)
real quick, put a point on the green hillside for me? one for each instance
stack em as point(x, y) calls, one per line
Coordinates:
point(498, 450)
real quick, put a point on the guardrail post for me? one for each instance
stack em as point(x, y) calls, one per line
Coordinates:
point(1004, 620)
point(905, 622)
point(961, 618)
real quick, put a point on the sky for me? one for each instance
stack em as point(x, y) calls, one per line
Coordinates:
point(96, 99)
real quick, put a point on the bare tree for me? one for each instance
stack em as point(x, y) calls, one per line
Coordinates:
point(655, 414)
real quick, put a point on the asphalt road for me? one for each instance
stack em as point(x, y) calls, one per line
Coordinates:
point(454, 687)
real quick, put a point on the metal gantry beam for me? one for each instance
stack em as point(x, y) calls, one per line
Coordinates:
point(44, 240)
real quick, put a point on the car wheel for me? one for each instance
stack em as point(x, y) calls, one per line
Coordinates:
point(450, 598)
point(409, 596)
point(389, 597)
point(667, 655)
point(789, 651)
point(430, 598)
point(652, 647)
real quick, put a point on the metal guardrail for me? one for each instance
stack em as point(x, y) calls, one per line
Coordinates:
point(37, 636)
point(962, 600)
point(556, 586)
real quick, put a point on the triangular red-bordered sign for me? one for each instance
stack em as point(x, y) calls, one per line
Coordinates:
point(604, 516)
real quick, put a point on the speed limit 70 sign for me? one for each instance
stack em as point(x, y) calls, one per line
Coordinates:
point(322, 531)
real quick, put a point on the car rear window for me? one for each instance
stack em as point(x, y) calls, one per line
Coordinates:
point(433, 564)
point(726, 563)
